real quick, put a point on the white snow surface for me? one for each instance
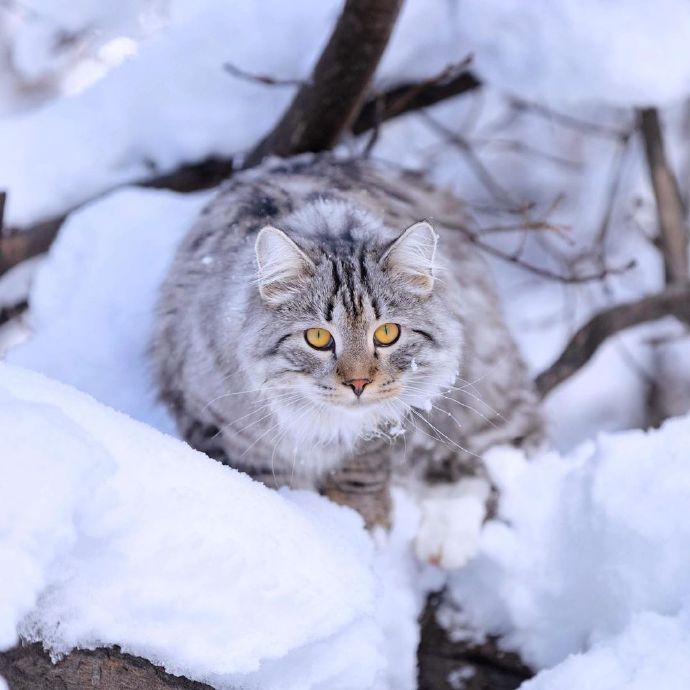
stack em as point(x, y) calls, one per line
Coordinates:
point(652, 652)
point(588, 556)
point(92, 301)
point(211, 574)
point(622, 52)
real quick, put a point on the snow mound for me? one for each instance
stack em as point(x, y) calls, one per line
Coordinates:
point(212, 575)
point(589, 552)
point(652, 652)
point(92, 300)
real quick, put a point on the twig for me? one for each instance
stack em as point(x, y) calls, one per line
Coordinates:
point(673, 301)
point(3, 201)
point(481, 171)
point(673, 231)
point(569, 121)
point(264, 79)
point(412, 96)
point(615, 177)
point(475, 238)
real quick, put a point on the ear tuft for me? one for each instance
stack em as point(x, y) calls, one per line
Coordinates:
point(282, 265)
point(411, 257)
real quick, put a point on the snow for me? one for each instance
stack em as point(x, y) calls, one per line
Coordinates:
point(587, 554)
point(652, 652)
point(92, 302)
point(211, 574)
point(622, 52)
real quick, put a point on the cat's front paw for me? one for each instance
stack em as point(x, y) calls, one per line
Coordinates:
point(451, 517)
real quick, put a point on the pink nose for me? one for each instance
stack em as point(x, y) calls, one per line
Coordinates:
point(358, 385)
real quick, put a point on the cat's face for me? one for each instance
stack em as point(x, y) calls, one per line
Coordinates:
point(355, 330)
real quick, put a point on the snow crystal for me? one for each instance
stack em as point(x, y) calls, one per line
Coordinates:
point(212, 575)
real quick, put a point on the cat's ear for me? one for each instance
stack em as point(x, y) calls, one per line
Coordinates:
point(411, 257)
point(282, 265)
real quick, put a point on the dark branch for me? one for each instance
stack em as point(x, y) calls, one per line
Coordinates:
point(405, 98)
point(17, 245)
point(29, 667)
point(673, 231)
point(263, 79)
point(674, 301)
point(326, 106)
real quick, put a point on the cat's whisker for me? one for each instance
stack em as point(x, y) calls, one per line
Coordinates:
point(438, 431)
point(465, 391)
point(264, 405)
point(285, 432)
point(264, 389)
point(419, 430)
point(457, 402)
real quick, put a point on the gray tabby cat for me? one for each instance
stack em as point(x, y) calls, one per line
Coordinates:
point(312, 331)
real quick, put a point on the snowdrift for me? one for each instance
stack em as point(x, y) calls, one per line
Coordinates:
point(111, 532)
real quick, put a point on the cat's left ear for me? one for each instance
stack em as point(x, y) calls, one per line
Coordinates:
point(411, 257)
point(282, 265)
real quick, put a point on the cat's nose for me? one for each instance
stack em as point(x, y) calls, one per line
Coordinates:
point(357, 385)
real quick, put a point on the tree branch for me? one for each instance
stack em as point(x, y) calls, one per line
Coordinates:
point(327, 104)
point(673, 231)
point(674, 301)
point(29, 667)
point(405, 98)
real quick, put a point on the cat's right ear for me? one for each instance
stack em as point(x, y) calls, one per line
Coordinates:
point(282, 265)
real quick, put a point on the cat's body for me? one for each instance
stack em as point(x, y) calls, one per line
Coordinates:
point(245, 385)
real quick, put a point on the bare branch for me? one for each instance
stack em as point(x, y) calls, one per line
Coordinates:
point(673, 231)
point(17, 245)
point(326, 106)
point(263, 79)
point(405, 98)
point(481, 171)
point(674, 301)
point(569, 121)
point(3, 201)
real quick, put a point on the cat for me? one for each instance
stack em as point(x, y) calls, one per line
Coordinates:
point(319, 326)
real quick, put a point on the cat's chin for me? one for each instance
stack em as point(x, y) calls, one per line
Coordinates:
point(341, 423)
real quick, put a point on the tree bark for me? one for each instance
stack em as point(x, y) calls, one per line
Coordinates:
point(674, 301)
point(445, 664)
point(673, 230)
point(29, 667)
point(326, 105)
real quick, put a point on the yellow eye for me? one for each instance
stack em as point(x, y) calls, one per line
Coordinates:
point(319, 338)
point(386, 334)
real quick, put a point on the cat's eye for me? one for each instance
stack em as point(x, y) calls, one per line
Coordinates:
point(319, 338)
point(386, 334)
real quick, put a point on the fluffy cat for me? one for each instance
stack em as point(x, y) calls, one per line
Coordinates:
point(314, 331)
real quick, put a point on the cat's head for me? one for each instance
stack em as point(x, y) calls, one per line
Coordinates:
point(354, 324)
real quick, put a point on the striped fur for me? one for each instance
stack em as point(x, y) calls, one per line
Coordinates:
point(229, 348)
